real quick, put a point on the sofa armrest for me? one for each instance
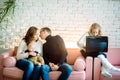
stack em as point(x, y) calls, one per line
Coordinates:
point(9, 62)
point(2, 56)
point(79, 64)
point(5, 55)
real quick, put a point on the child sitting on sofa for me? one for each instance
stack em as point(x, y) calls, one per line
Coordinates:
point(37, 60)
point(95, 30)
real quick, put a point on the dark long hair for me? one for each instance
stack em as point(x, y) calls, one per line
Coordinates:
point(30, 34)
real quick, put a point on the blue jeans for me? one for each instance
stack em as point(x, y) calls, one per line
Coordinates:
point(31, 71)
point(64, 68)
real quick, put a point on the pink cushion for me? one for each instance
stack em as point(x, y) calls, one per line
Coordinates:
point(79, 64)
point(13, 72)
point(75, 75)
point(15, 51)
point(78, 75)
point(54, 75)
point(1, 60)
point(73, 53)
point(16, 73)
point(9, 62)
point(1, 69)
point(114, 56)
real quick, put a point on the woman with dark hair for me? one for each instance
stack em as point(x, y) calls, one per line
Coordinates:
point(31, 71)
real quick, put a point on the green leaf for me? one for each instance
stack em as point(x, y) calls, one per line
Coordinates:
point(9, 6)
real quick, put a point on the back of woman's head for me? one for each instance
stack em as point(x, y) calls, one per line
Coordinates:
point(95, 26)
point(30, 34)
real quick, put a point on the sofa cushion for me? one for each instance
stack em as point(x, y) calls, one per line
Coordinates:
point(77, 75)
point(113, 56)
point(9, 61)
point(15, 51)
point(73, 53)
point(16, 73)
point(54, 75)
point(13, 72)
point(79, 64)
point(1, 60)
point(1, 70)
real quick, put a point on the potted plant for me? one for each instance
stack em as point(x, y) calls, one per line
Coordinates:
point(9, 6)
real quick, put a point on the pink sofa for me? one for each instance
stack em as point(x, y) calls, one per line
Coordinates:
point(82, 69)
point(114, 58)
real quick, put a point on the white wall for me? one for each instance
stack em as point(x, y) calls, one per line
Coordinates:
point(68, 18)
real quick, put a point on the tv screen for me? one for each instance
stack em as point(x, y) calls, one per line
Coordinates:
point(96, 44)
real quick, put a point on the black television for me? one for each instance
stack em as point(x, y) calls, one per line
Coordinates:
point(96, 44)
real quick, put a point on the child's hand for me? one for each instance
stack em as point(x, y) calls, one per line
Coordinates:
point(55, 68)
point(37, 54)
point(51, 64)
point(38, 63)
